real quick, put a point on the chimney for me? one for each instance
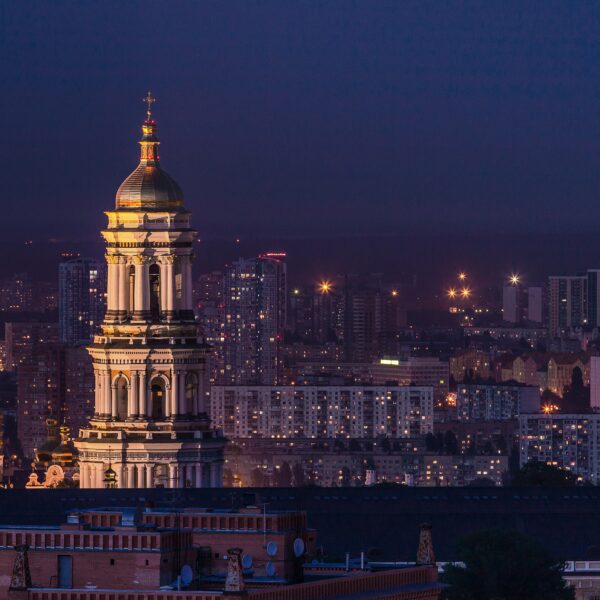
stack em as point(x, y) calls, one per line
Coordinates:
point(234, 583)
point(425, 554)
point(21, 577)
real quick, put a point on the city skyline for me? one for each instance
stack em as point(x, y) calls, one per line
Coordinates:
point(373, 314)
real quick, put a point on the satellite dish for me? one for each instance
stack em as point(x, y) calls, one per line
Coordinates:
point(270, 569)
point(298, 547)
point(271, 548)
point(187, 574)
point(247, 561)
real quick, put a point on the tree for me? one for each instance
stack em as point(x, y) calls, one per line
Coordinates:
point(355, 446)
point(298, 473)
point(431, 442)
point(536, 473)
point(283, 475)
point(504, 565)
point(450, 442)
point(576, 397)
point(258, 478)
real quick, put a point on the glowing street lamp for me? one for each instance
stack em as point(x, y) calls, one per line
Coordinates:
point(462, 276)
point(515, 279)
point(325, 287)
point(465, 293)
point(451, 293)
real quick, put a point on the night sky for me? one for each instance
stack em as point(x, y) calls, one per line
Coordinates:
point(306, 118)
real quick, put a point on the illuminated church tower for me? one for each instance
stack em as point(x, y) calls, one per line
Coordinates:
point(149, 424)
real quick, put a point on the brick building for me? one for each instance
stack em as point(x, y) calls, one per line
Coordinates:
point(127, 554)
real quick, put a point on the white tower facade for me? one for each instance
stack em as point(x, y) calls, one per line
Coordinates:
point(149, 426)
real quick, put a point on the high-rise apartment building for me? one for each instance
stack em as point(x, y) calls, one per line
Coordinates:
point(512, 303)
point(593, 297)
point(39, 396)
point(373, 314)
point(149, 428)
point(569, 441)
point(316, 313)
point(55, 381)
point(535, 304)
point(567, 303)
point(254, 320)
point(23, 339)
point(322, 411)
point(16, 293)
point(81, 304)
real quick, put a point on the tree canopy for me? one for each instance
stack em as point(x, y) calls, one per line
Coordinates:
point(540, 474)
point(504, 565)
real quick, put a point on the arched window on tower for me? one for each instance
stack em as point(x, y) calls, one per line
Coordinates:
point(155, 292)
point(191, 393)
point(159, 397)
point(122, 391)
point(131, 289)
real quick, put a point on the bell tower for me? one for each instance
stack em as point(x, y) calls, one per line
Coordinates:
point(149, 423)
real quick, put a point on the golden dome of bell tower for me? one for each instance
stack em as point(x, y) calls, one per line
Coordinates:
point(149, 187)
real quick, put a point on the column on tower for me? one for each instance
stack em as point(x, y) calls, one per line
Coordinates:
point(167, 284)
point(142, 395)
point(216, 475)
point(141, 476)
point(172, 476)
point(175, 391)
point(149, 476)
point(132, 399)
point(187, 296)
point(112, 296)
point(113, 399)
point(123, 301)
point(106, 398)
point(82, 475)
point(197, 475)
point(130, 476)
point(141, 288)
point(98, 394)
point(182, 394)
point(119, 470)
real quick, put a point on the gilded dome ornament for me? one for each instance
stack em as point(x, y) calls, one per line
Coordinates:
point(149, 187)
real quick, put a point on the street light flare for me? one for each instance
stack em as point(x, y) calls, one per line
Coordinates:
point(451, 293)
point(462, 276)
point(515, 279)
point(465, 292)
point(325, 286)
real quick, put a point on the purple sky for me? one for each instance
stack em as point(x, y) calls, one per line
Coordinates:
point(306, 118)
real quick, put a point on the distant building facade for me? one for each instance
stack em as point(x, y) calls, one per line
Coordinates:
point(254, 321)
point(322, 411)
point(81, 299)
point(567, 303)
point(22, 340)
point(569, 441)
point(414, 370)
point(489, 402)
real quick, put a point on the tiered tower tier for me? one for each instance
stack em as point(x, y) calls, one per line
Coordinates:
point(150, 424)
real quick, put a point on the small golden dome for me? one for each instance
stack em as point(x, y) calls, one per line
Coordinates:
point(149, 187)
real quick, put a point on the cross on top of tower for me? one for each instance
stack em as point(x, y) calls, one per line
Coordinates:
point(149, 100)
